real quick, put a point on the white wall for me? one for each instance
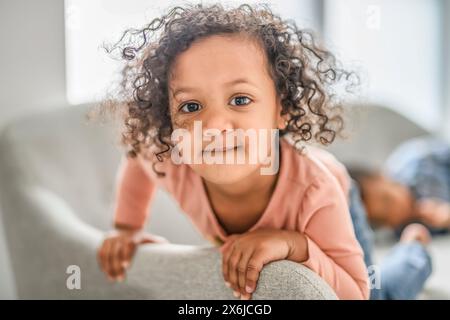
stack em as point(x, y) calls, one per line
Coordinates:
point(32, 76)
point(399, 45)
point(446, 77)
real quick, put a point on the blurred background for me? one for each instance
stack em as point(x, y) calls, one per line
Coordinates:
point(51, 58)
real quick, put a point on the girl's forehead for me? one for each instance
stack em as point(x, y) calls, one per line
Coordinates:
point(219, 59)
point(220, 52)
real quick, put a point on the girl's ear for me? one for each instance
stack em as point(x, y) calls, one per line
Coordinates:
point(282, 121)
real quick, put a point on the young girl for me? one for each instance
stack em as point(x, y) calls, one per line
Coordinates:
point(229, 69)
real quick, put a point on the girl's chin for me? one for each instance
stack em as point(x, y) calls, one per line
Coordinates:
point(224, 173)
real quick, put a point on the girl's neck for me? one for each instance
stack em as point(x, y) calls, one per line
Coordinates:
point(254, 185)
point(239, 206)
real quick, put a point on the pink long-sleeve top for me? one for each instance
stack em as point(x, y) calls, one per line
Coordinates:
point(311, 197)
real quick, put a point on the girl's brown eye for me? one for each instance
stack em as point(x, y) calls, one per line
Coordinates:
point(241, 100)
point(190, 107)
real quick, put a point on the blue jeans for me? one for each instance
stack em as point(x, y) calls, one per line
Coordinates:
point(403, 272)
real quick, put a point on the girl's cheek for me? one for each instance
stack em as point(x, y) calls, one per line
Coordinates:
point(179, 123)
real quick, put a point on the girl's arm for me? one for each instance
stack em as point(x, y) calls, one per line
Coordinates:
point(134, 193)
point(333, 251)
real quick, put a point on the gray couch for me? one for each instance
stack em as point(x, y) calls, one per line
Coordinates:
point(57, 179)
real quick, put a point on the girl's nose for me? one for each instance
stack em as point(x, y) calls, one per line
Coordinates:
point(217, 121)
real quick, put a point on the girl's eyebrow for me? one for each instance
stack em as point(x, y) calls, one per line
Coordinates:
point(238, 81)
point(228, 84)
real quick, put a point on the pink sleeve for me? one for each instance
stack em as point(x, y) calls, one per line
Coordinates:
point(335, 167)
point(134, 192)
point(334, 252)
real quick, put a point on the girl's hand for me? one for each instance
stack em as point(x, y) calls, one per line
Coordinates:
point(115, 253)
point(244, 255)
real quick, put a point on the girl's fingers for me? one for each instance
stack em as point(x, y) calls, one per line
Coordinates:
point(107, 259)
point(233, 263)
point(225, 257)
point(226, 249)
point(129, 250)
point(254, 267)
point(242, 270)
point(111, 258)
point(125, 254)
point(100, 256)
point(116, 261)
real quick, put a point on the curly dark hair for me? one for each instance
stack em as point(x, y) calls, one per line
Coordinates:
point(303, 72)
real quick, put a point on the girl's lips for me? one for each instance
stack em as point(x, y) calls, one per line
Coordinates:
point(223, 149)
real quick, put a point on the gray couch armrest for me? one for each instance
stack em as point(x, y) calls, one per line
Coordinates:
point(45, 237)
point(194, 272)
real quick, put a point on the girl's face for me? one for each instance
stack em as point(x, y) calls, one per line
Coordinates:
point(223, 82)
